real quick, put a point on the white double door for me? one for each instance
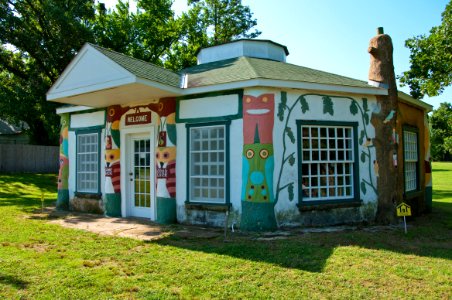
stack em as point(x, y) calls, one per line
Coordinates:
point(139, 176)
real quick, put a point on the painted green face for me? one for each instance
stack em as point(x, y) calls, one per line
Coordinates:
point(257, 172)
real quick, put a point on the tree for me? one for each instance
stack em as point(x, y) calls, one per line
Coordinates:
point(209, 23)
point(146, 34)
point(441, 132)
point(431, 60)
point(38, 39)
point(34, 50)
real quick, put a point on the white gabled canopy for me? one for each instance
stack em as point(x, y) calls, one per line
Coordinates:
point(93, 79)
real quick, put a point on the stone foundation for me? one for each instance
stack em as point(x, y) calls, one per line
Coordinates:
point(95, 206)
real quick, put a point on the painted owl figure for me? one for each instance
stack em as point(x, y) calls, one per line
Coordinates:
point(258, 165)
point(114, 114)
point(258, 117)
point(113, 168)
point(166, 172)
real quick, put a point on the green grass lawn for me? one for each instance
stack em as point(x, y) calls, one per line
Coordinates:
point(39, 260)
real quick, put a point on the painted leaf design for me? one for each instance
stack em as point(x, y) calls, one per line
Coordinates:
point(363, 187)
point(290, 191)
point(284, 98)
point(304, 104)
point(363, 157)
point(353, 108)
point(291, 160)
point(290, 134)
point(361, 137)
point(365, 106)
point(281, 108)
point(366, 118)
point(328, 105)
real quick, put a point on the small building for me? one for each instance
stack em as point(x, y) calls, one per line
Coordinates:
point(243, 137)
point(11, 134)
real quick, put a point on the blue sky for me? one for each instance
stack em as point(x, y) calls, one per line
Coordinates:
point(333, 36)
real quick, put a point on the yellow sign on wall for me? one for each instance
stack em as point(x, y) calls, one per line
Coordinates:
point(403, 210)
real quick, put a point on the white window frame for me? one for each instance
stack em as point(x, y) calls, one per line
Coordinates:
point(411, 159)
point(88, 162)
point(328, 163)
point(208, 163)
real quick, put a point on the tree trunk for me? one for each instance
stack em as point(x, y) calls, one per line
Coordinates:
point(381, 74)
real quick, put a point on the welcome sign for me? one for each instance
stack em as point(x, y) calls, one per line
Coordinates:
point(138, 118)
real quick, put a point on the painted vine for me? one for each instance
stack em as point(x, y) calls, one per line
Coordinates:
point(328, 108)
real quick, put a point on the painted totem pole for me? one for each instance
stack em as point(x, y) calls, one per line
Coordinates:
point(381, 73)
point(258, 201)
point(63, 175)
point(165, 163)
point(428, 167)
point(112, 161)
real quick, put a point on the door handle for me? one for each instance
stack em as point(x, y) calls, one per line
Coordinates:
point(131, 174)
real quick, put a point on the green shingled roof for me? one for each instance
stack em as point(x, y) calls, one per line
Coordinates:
point(228, 71)
point(246, 68)
point(141, 68)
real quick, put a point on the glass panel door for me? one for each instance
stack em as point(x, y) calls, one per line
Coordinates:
point(142, 172)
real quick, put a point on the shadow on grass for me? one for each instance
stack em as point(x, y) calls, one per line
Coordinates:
point(428, 236)
point(13, 281)
point(24, 190)
point(440, 194)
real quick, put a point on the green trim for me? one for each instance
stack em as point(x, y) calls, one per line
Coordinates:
point(62, 199)
point(86, 195)
point(166, 210)
point(428, 198)
point(239, 114)
point(89, 130)
point(97, 127)
point(226, 124)
point(87, 111)
point(327, 205)
point(113, 205)
point(258, 216)
point(413, 193)
point(356, 177)
point(208, 206)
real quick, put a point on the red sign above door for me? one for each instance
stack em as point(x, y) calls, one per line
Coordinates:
point(138, 118)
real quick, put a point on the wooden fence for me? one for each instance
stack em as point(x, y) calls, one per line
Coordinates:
point(28, 158)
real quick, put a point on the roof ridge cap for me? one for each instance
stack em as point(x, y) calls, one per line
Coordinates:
point(247, 59)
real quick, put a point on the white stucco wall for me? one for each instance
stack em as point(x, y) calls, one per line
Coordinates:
point(209, 107)
point(96, 118)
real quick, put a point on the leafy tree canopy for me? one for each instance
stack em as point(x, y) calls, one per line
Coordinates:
point(209, 23)
point(38, 39)
point(145, 34)
point(431, 59)
point(441, 132)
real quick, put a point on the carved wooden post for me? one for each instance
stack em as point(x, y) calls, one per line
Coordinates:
point(381, 74)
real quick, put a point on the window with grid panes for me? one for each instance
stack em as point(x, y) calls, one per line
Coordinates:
point(411, 157)
point(327, 162)
point(88, 162)
point(207, 163)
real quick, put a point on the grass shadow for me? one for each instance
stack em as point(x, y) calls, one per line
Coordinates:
point(441, 194)
point(428, 236)
point(25, 190)
point(13, 281)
